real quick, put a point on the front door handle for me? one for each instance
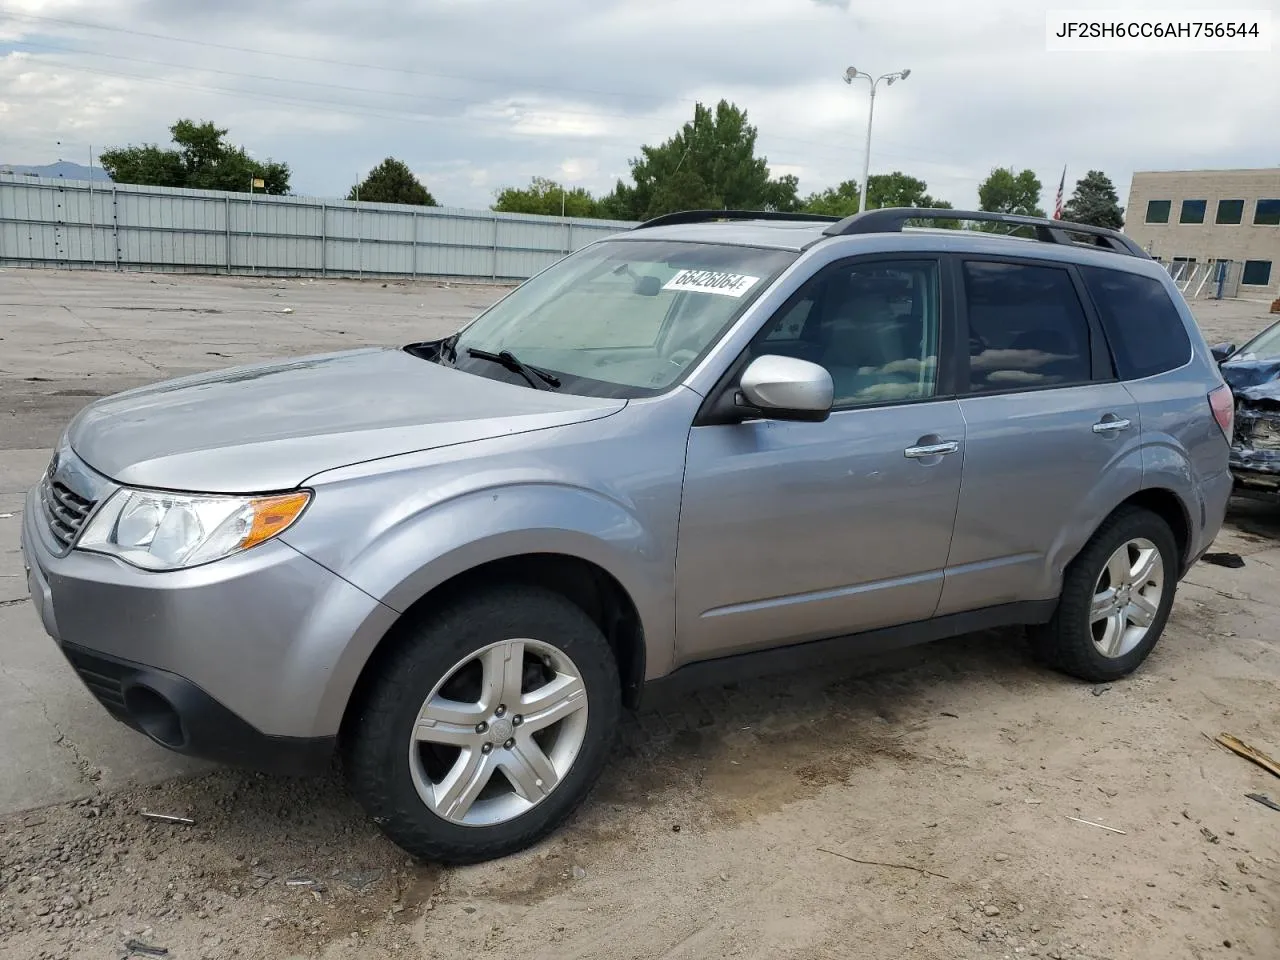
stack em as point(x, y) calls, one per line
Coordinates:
point(1111, 424)
point(931, 450)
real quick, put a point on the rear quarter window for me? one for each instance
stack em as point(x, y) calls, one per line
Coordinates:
point(1142, 324)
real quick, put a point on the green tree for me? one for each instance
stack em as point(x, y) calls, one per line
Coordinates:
point(838, 201)
point(392, 181)
point(1095, 201)
point(895, 189)
point(201, 159)
point(710, 163)
point(148, 164)
point(546, 197)
point(1007, 192)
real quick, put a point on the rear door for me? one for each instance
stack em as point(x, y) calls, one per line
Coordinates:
point(1051, 436)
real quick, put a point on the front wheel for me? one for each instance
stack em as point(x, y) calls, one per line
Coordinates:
point(486, 727)
point(1116, 599)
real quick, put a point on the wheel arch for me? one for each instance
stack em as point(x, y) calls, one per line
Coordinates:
point(592, 588)
point(1164, 503)
point(1170, 508)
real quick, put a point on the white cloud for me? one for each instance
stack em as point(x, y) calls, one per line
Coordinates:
point(476, 95)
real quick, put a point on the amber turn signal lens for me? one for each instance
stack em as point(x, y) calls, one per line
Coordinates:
point(271, 515)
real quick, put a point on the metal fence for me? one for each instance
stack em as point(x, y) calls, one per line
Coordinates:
point(75, 224)
point(1211, 280)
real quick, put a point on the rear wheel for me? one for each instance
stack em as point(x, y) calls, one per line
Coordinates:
point(486, 727)
point(1116, 598)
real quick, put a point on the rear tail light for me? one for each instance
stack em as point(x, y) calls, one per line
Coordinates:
point(1224, 409)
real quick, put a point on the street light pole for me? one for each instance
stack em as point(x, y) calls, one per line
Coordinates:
point(850, 75)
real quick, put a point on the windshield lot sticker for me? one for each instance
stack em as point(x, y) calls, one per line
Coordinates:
point(711, 281)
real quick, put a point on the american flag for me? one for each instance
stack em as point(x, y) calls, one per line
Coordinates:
point(1057, 204)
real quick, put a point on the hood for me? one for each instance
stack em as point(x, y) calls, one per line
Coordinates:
point(271, 426)
point(1253, 379)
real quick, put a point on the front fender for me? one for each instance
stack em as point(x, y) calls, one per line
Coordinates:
point(450, 538)
point(427, 548)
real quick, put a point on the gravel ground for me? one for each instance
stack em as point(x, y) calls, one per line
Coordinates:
point(910, 805)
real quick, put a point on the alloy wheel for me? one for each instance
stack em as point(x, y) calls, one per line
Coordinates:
point(499, 732)
point(1127, 597)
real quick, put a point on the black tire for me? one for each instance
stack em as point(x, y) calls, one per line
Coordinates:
point(376, 740)
point(1066, 641)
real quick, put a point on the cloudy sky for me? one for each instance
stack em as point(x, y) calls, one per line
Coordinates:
point(477, 94)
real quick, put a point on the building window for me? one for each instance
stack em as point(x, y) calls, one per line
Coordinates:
point(1158, 211)
point(1230, 211)
point(1257, 273)
point(1192, 211)
point(1267, 212)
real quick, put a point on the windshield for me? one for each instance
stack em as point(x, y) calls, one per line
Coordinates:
point(620, 318)
point(1265, 346)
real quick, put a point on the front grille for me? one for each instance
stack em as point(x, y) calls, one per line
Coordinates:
point(64, 509)
point(103, 678)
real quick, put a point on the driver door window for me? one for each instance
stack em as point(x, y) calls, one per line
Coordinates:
point(873, 325)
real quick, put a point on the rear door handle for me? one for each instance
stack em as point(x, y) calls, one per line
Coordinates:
point(931, 450)
point(1111, 424)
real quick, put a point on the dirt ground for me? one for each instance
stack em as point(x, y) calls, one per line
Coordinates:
point(915, 805)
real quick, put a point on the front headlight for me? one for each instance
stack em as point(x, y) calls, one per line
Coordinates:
point(156, 530)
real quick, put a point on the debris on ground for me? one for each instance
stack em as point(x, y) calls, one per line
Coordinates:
point(167, 818)
point(1232, 561)
point(1099, 691)
point(882, 863)
point(1238, 746)
point(358, 880)
point(1263, 799)
point(138, 948)
point(1102, 825)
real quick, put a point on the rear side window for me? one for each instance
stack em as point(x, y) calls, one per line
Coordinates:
point(1144, 327)
point(1027, 328)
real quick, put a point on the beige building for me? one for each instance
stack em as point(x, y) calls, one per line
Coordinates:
point(1201, 216)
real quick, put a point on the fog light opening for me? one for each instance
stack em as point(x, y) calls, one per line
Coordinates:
point(155, 716)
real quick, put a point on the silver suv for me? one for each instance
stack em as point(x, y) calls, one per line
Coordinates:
point(717, 442)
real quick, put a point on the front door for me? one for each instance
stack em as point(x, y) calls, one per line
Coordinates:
point(798, 531)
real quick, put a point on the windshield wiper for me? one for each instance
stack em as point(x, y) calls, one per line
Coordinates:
point(538, 379)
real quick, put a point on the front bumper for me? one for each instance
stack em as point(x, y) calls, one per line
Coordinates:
point(1256, 473)
point(244, 660)
point(177, 714)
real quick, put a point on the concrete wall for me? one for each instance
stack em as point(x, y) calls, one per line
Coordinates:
point(73, 224)
point(1208, 240)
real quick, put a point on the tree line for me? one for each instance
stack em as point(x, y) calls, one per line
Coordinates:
point(709, 163)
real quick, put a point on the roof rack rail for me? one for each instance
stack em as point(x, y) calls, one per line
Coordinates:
point(892, 220)
point(706, 216)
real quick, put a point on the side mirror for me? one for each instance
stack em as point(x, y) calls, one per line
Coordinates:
point(1221, 351)
point(786, 388)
